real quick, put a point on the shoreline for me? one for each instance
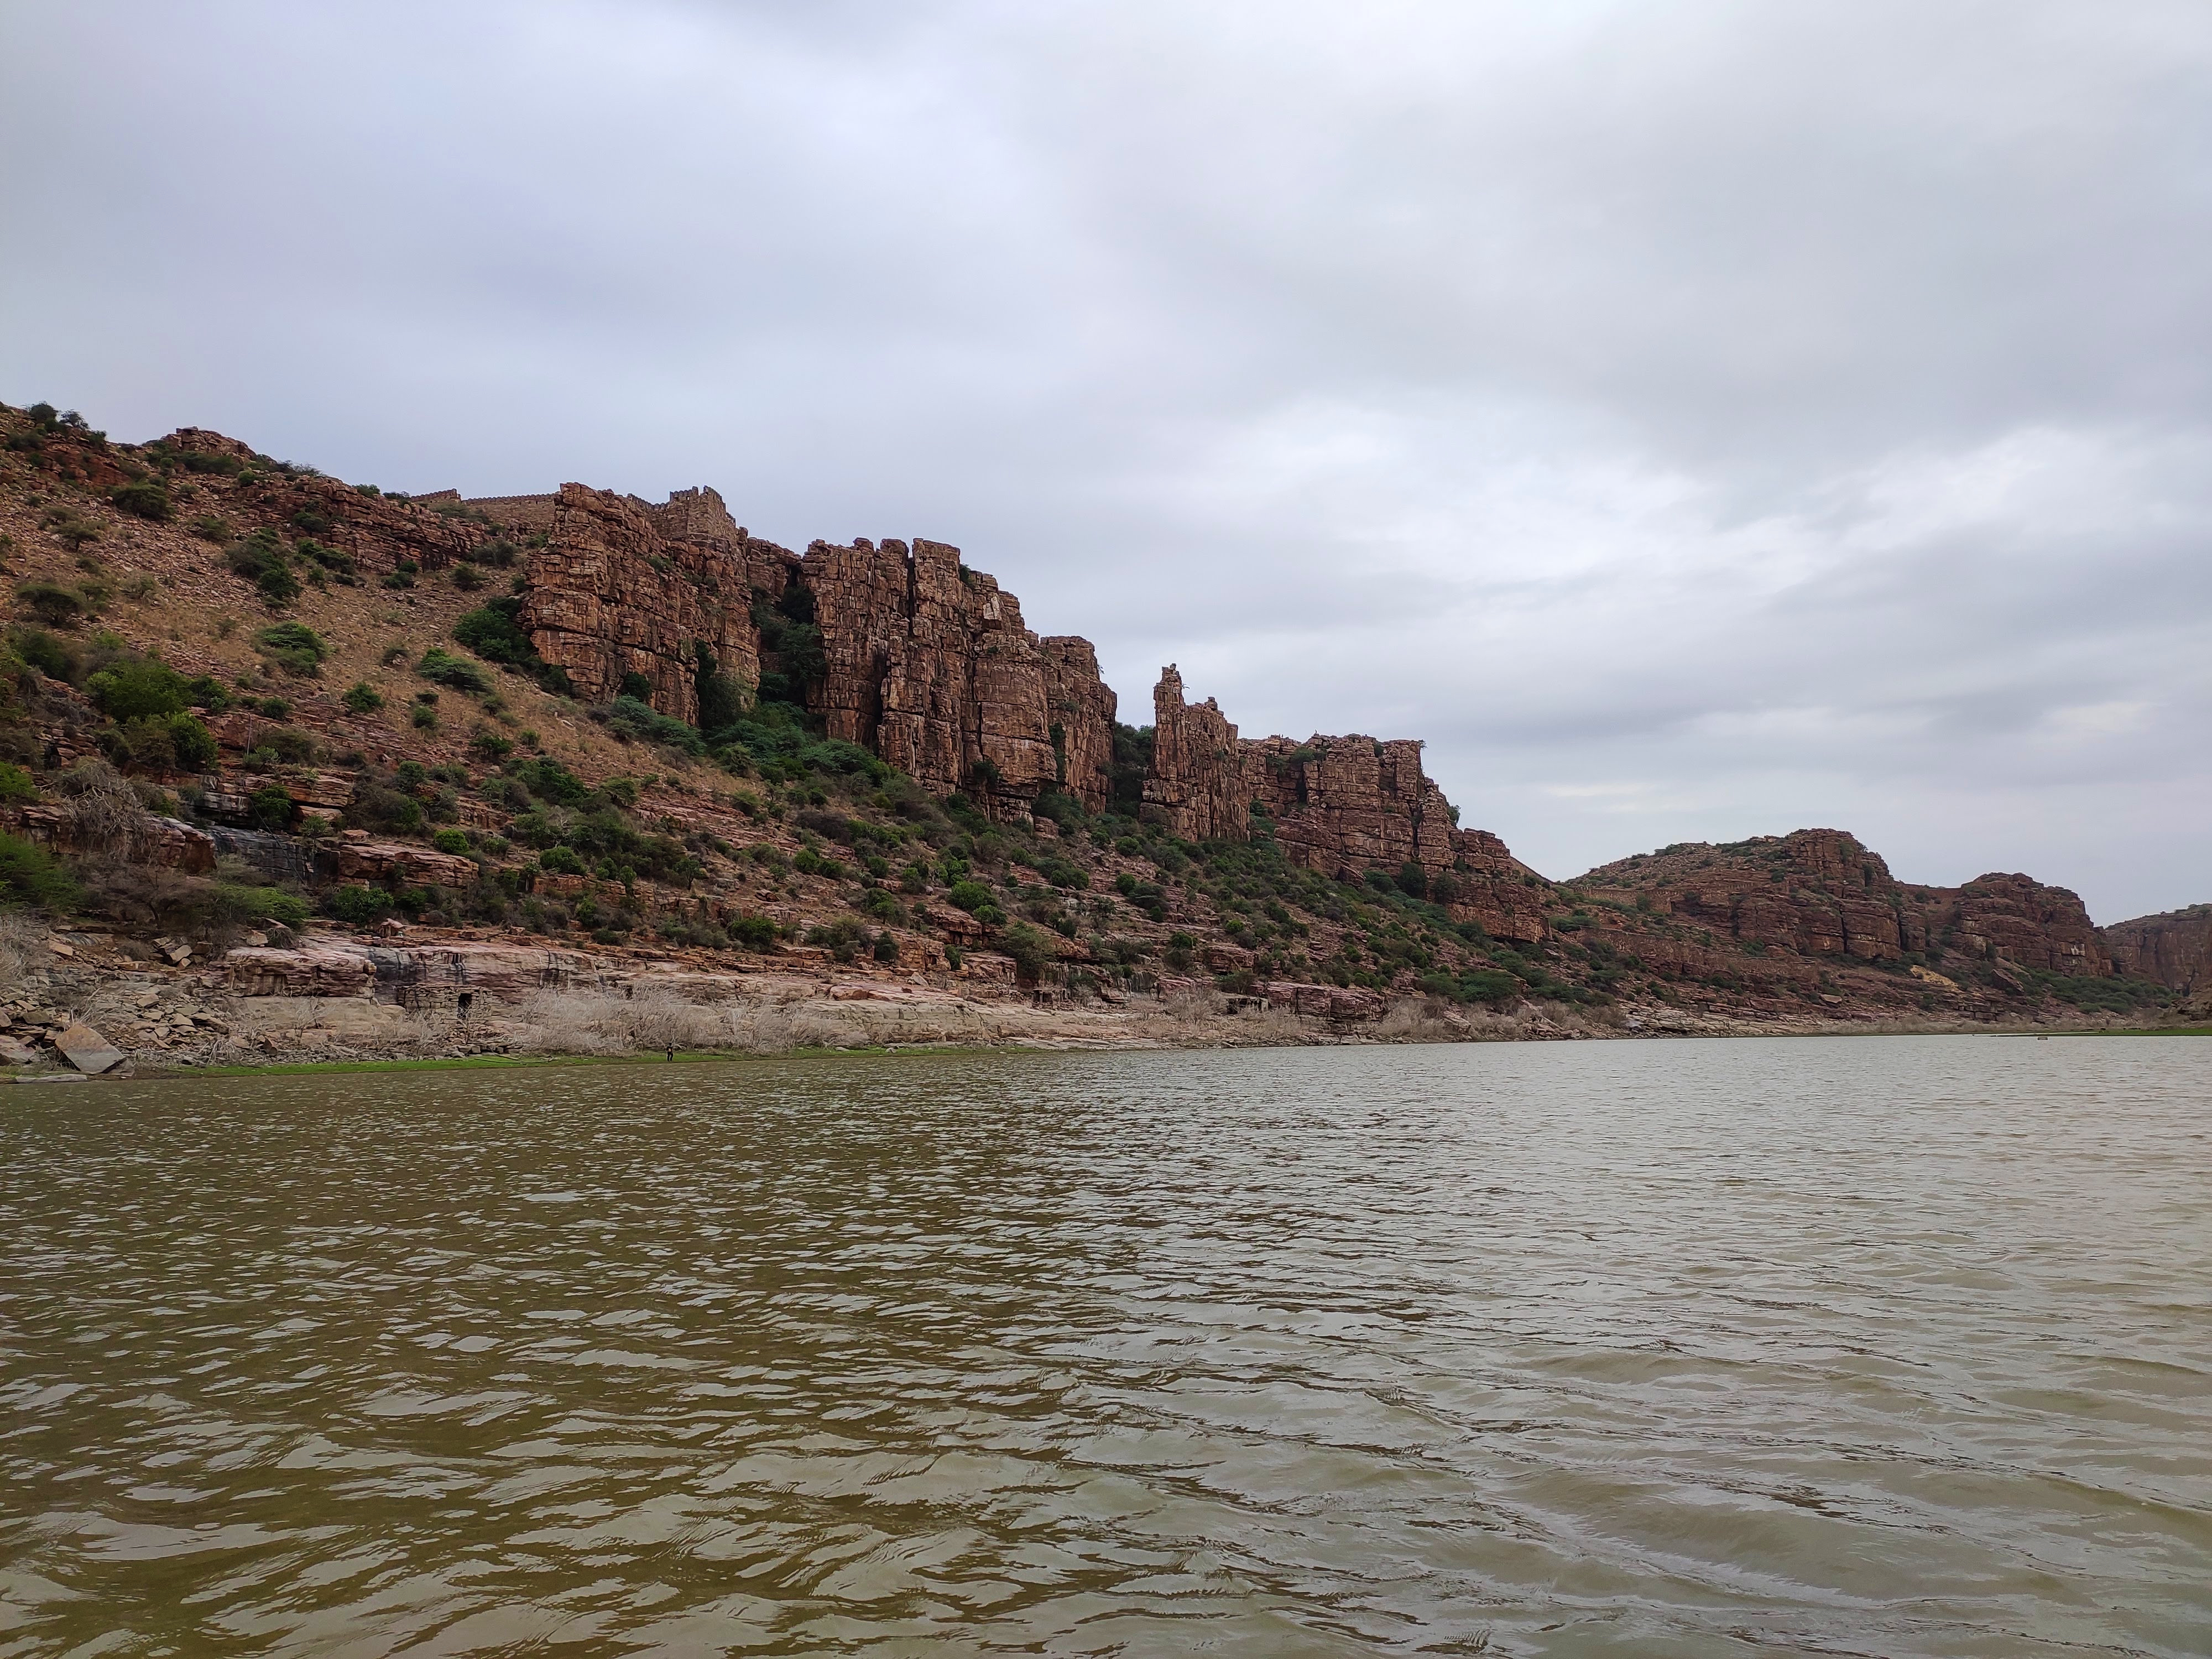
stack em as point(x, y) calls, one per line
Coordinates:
point(156, 1072)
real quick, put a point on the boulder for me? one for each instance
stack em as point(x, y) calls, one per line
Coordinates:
point(88, 1050)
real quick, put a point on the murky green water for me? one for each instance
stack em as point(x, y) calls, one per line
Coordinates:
point(1875, 1347)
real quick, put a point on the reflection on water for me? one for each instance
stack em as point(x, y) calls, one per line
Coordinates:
point(1860, 1347)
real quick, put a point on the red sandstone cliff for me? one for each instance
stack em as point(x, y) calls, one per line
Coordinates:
point(1195, 786)
point(1081, 707)
point(611, 595)
point(2174, 949)
point(930, 667)
point(1820, 893)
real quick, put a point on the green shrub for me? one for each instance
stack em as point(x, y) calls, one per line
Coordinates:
point(1028, 948)
point(195, 746)
point(627, 716)
point(144, 499)
point(440, 666)
point(468, 578)
point(450, 840)
point(331, 559)
point(887, 946)
point(29, 875)
point(291, 745)
point(494, 634)
point(969, 896)
point(210, 528)
point(16, 785)
point(138, 686)
point(358, 905)
point(72, 528)
point(561, 861)
point(262, 559)
point(237, 903)
point(292, 646)
point(362, 698)
point(753, 934)
point(423, 716)
point(270, 807)
point(49, 655)
point(52, 604)
point(843, 938)
point(490, 745)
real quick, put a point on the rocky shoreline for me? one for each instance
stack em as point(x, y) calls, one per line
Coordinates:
point(78, 1002)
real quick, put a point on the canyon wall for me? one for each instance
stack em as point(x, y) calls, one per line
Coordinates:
point(1346, 805)
point(930, 667)
point(1819, 892)
point(2174, 949)
point(1081, 707)
point(1195, 788)
point(611, 595)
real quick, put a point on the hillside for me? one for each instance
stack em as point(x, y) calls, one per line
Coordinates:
point(302, 741)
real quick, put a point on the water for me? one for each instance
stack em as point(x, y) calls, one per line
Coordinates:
point(1854, 1346)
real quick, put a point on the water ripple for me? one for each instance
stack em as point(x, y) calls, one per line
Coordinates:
point(1875, 1347)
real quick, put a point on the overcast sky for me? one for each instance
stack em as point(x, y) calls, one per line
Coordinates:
point(1695, 420)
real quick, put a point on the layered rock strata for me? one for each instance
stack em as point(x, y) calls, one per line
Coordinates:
point(1342, 806)
point(1820, 893)
point(1195, 786)
point(2174, 949)
point(929, 665)
point(1081, 709)
point(612, 595)
point(1348, 804)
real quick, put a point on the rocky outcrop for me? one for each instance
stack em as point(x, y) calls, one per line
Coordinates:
point(1347, 805)
point(1195, 788)
point(385, 860)
point(1821, 893)
point(2016, 920)
point(430, 976)
point(928, 665)
point(2174, 949)
point(376, 534)
point(1081, 707)
point(611, 595)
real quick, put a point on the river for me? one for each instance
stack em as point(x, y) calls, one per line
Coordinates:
point(1879, 1346)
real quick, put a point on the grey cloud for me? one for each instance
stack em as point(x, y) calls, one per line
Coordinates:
point(1694, 419)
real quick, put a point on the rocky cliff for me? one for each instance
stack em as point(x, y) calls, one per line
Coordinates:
point(2174, 949)
point(1195, 788)
point(1081, 707)
point(620, 589)
point(385, 788)
point(930, 667)
point(1820, 893)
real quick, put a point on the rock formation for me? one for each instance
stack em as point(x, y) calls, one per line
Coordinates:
point(1081, 707)
point(930, 667)
point(1195, 786)
point(1820, 893)
point(1351, 804)
point(2174, 949)
point(611, 595)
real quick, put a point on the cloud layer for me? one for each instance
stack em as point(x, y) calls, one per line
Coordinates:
point(1695, 420)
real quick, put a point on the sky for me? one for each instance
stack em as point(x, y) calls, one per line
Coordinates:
point(1695, 420)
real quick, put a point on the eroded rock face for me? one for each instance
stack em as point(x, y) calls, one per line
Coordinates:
point(1081, 707)
point(2174, 949)
point(614, 594)
point(1351, 804)
point(1820, 893)
point(2015, 919)
point(377, 532)
point(1195, 786)
point(930, 667)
